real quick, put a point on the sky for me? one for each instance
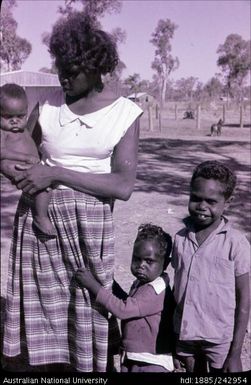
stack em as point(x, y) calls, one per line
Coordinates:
point(202, 26)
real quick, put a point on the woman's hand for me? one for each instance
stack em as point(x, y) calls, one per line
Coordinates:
point(33, 179)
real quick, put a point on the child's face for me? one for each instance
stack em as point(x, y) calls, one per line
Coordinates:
point(146, 265)
point(207, 202)
point(13, 114)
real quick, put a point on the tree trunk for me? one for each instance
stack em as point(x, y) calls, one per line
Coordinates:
point(241, 115)
point(224, 113)
point(150, 118)
point(198, 117)
point(163, 91)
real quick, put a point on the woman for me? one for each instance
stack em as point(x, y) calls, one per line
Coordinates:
point(89, 156)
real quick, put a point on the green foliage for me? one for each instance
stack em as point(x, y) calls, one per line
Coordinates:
point(14, 49)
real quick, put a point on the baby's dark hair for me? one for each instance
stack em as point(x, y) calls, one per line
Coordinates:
point(149, 231)
point(212, 169)
point(13, 91)
point(76, 41)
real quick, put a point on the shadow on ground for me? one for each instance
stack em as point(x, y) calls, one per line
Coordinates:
point(166, 165)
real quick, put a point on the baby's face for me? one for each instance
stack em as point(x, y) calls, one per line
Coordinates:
point(13, 114)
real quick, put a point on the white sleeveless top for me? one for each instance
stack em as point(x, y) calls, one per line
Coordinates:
point(83, 143)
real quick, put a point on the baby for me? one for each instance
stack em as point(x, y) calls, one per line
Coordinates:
point(18, 145)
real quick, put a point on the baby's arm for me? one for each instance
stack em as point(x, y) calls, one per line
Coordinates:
point(17, 149)
point(233, 361)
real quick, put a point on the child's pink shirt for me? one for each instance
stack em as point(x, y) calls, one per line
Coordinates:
point(204, 282)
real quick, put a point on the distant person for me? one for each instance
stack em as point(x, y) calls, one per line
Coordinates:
point(211, 283)
point(18, 145)
point(141, 310)
point(216, 128)
point(89, 152)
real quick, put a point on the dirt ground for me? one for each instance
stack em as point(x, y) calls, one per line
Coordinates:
point(166, 161)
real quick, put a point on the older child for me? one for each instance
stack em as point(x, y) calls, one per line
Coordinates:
point(211, 284)
point(17, 144)
point(141, 310)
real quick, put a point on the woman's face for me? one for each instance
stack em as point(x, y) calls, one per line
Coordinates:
point(74, 81)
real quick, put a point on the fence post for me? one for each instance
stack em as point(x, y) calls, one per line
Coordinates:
point(160, 125)
point(241, 115)
point(198, 117)
point(150, 118)
point(176, 112)
point(156, 111)
point(224, 113)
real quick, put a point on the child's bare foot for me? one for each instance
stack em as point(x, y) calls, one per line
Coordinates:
point(44, 225)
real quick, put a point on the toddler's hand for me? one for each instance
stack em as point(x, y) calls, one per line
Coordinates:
point(85, 279)
point(83, 276)
point(178, 365)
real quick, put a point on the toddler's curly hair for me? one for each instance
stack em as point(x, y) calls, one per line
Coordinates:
point(149, 231)
point(212, 169)
point(76, 41)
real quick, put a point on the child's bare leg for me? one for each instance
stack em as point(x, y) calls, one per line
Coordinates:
point(189, 363)
point(196, 364)
point(41, 218)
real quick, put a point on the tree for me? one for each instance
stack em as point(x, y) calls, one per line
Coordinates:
point(133, 83)
point(14, 49)
point(213, 88)
point(164, 63)
point(95, 8)
point(185, 87)
point(47, 70)
point(235, 63)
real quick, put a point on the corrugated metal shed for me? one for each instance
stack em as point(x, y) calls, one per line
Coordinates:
point(30, 79)
point(37, 85)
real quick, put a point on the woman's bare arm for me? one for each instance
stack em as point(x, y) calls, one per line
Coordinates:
point(117, 184)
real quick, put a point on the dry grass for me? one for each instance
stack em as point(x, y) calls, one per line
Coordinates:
point(166, 160)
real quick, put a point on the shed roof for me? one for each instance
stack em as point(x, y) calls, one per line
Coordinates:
point(30, 79)
point(138, 95)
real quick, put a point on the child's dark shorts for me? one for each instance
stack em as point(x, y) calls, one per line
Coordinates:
point(216, 354)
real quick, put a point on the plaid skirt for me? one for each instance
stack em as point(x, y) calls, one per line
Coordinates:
point(45, 310)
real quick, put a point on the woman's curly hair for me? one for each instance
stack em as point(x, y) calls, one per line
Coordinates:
point(212, 169)
point(76, 41)
point(149, 231)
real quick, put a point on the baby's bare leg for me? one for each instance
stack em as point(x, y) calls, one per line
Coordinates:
point(41, 218)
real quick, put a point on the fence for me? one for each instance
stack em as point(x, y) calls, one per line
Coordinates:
point(210, 112)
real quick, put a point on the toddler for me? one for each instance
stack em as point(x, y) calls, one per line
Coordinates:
point(211, 284)
point(144, 347)
point(17, 145)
